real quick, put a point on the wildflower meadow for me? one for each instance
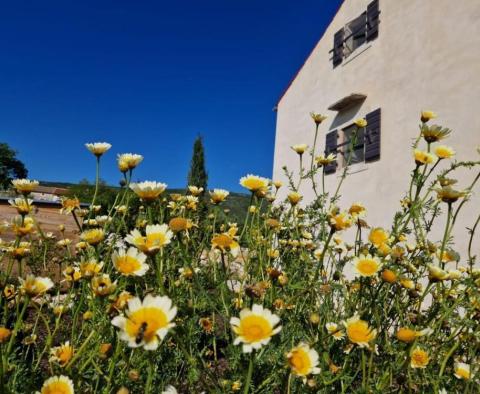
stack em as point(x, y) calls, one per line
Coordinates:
point(163, 293)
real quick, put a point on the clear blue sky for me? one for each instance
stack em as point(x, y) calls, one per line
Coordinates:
point(148, 76)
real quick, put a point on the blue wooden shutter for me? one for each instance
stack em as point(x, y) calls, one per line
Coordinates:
point(331, 142)
point(373, 12)
point(372, 136)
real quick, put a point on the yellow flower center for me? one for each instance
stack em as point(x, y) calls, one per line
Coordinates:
point(406, 335)
point(149, 194)
point(127, 264)
point(145, 322)
point(222, 241)
point(359, 332)
point(57, 387)
point(300, 362)
point(463, 373)
point(420, 358)
point(254, 184)
point(155, 239)
point(367, 267)
point(255, 328)
point(64, 354)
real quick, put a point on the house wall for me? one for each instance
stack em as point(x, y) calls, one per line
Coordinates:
point(427, 56)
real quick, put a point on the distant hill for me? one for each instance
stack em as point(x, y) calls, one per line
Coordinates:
point(237, 203)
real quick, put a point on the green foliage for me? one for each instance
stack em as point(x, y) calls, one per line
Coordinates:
point(198, 175)
point(84, 191)
point(10, 166)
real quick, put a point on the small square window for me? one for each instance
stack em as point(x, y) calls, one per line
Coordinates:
point(356, 153)
point(355, 34)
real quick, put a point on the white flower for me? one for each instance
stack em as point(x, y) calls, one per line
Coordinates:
point(98, 148)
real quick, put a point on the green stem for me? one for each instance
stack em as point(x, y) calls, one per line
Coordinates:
point(248, 379)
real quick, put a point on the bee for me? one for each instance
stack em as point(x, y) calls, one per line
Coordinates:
point(141, 333)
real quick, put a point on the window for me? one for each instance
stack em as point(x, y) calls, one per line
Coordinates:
point(353, 153)
point(366, 146)
point(355, 33)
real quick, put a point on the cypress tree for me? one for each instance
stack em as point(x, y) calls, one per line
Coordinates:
point(197, 176)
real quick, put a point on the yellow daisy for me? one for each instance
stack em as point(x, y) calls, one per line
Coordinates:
point(408, 335)
point(69, 205)
point(57, 385)
point(318, 118)
point(462, 371)
point(378, 236)
point(444, 152)
point(22, 205)
point(226, 242)
point(359, 332)
point(24, 186)
point(218, 195)
point(148, 190)
point(34, 286)
point(419, 358)
point(303, 360)
point(195, 190)
point(294, 198)
point(360, 123)
point(254, 183)
point(367, 265)
point(128, 161)
point(255, 327)
point(156, 237)
point(90, 268)
point(300, 148)
point(62, 354)
point(98, 148)
point(422, 157)
point(93, 236)
point(427, 115)
point(335, 331)
point(131, 262)
point(146, 323)
point(102, 285)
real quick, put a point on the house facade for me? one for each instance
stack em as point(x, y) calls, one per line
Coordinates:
point(386, 60)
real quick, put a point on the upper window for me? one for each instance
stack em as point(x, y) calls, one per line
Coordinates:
point(355, 33)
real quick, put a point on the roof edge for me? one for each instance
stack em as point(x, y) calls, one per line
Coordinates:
point(308, 57)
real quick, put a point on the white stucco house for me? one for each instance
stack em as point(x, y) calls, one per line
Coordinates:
point(386, 60)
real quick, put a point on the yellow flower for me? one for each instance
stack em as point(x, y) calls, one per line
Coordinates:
point(255, 327)
point(4, 334)
point(435, 273)
point(294, 198)
point(357, 210)
point(434, 133)
point(300, 148)
point(378, 236)
point(449, 195)
point(98, 148)
point(419, 358)
point(194, 190)
point(277, 184)
point(57, 385)
point(444, 152)
point(23, 226)
point(24, 186)
point(69, 205)
point(226, 242)
point(93, 236)
point(62, 354)
point(340, 221)
point(180, 224)
point(102, 285)
point(34, 286)
point(128, 161)
point(366, 265)
point(427, 115)
point(303, 360)
point(318, 118)
point(90, 268)
point(408, 335)
point(157, 236)
point(22, 205)
point(462, 371)
point(131, 262)
point(421, 157)
point(407, 283)
point(147, 322)
point(254, 183)
point(361, 123)
point(359, 332)
point(218, 195)
point(389, 276)
point(335, 331)
point(323, 160)
point(148, 190)
point(22, 250)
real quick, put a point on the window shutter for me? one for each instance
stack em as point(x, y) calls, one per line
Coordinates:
point(372, 136)
point(338, 47)
point(331, 142)
point(373, 13)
